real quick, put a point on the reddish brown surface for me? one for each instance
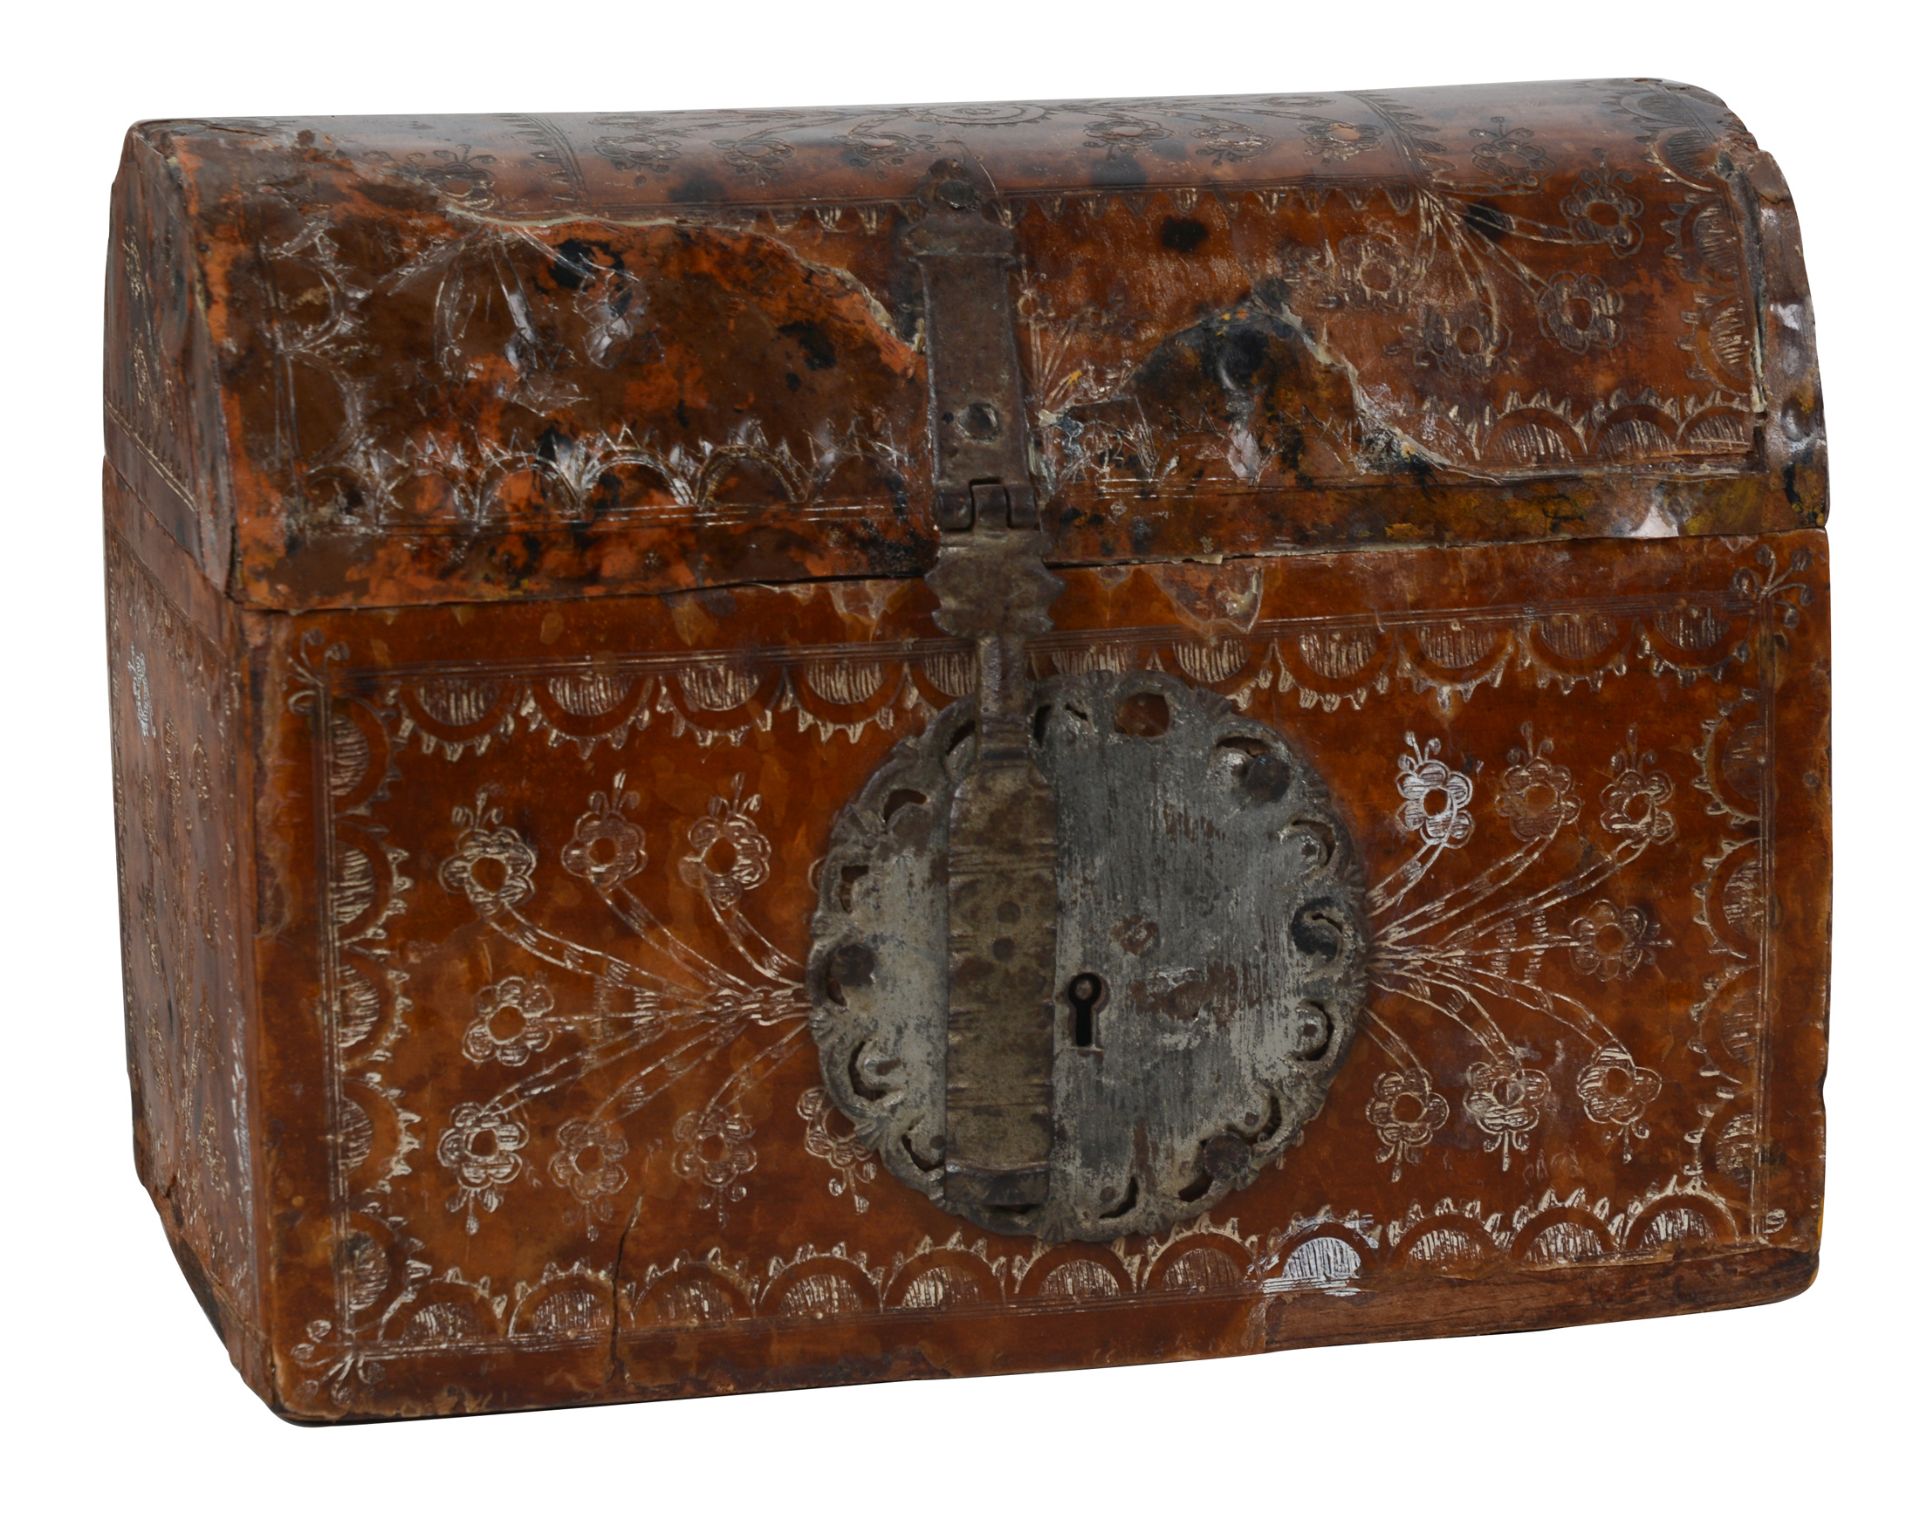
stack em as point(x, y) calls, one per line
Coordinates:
point(354, 840)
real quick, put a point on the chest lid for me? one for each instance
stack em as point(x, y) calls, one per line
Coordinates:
point(386, 361)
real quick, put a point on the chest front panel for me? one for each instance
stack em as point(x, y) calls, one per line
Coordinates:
point(548, 898)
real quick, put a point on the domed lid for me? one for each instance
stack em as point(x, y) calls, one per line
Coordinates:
point(393, 360)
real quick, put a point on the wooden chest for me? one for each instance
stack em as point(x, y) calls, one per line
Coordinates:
point(775, 748)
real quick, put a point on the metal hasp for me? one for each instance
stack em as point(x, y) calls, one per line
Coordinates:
point(1087, 951)
point(994, 589)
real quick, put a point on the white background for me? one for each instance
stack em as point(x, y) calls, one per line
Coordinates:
point(120, 1400)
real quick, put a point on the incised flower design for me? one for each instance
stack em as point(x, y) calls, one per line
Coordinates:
point(1329, 139)
point(1406, 1112)
point(491, 864)
point(606, 848)
point(1580, 312)
point(1508, 155)
point(714, 1154)
point(728, 853)
point(1633, 805)
point(1536, 797)
point(1433, 797)
point(1601, 210)
point(1464, 342)
point(1504, 1098)
point(510, 1022)
point(1616, 1092)
point(588, 1165)
point(1610, 942)
point(482, 1149)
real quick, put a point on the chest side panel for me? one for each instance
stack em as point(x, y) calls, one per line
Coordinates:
point(182, 753)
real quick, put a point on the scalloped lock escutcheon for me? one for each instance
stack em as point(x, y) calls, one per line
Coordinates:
point(1208, 969)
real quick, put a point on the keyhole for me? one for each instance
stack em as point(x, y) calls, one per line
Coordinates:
point(1084, 994)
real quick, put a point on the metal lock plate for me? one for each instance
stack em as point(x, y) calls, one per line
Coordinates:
point(1208, 946)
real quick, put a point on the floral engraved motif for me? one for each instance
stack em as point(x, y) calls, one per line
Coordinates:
point(1464, 342)
point(1536, 797)
point(1508, 155)
point(482, 1150)
point(867, 144)
point(1611, 942)
point(1632, 807)
point(1373, 271)
point(643, 145)
point(1616, 1093)
point(1123, 134)
point(491, 865)
point(511, 1022)
point(1433, 797)
point(607, 848)
point(1504, 1098)
point(982, 114)
point(643, 153)
point(1330, 139)
point(1406, 1112)
point(588, 1165)
point(759, 158)
point(1473, 954)
point(1228, 143)
point(1600, 209)
point(714, 1154)
point(1580, 312)
point(730, 855)
point(851, 1161)
point(459, 175)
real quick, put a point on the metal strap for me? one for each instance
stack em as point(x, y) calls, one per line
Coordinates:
point(994, 588)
